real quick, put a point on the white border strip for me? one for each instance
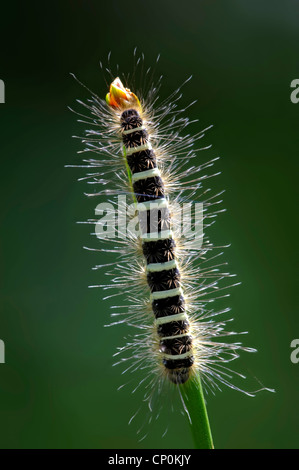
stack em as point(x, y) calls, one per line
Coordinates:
point(170, 318)
point(157, 267)
point(131, 150)
point(178, 356)
point(130, 131)
point(164, 294)
point(142, 175)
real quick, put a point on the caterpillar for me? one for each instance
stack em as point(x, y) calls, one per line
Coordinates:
point(167, 275)
point(163, 275)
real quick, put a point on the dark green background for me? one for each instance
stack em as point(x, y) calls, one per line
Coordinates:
point(57, 388)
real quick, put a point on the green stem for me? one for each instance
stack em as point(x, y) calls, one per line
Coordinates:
point(192, 394)
point(129, 173)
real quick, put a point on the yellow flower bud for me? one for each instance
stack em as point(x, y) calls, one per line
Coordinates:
point(121, 97)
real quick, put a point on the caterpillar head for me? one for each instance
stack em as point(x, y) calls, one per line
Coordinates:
point(120, 97)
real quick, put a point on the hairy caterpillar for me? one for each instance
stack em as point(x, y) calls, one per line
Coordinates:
point(158, 247)
point(169, 280)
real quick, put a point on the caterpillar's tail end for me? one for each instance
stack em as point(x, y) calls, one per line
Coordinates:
point(179, 376)
point(120, 97)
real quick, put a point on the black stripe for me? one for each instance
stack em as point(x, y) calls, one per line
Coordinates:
point(178, 363)
point(159, 251)
point(130, 119)
point(142, 161)
point(135, 139)
point(173, 328)
point(176, 346)
point(168, 306)
point(149, 189)
point(154, 220)
point(164, 280)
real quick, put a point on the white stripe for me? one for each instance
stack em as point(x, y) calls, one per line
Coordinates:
point(155, 236)
point(178, 356)
point(132, 150)
point(170, 318)
point(148, 205)
point(142, 175)
point(164, 294)
point(129, 131)
point(157, 267)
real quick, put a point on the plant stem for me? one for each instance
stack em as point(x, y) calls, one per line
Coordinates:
point(192, 393)
point(129, 173)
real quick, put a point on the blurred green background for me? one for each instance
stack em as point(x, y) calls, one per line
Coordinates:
point(58, 388)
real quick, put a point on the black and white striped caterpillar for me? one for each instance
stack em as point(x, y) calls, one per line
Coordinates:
point(169, 281)
point(159, 248)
